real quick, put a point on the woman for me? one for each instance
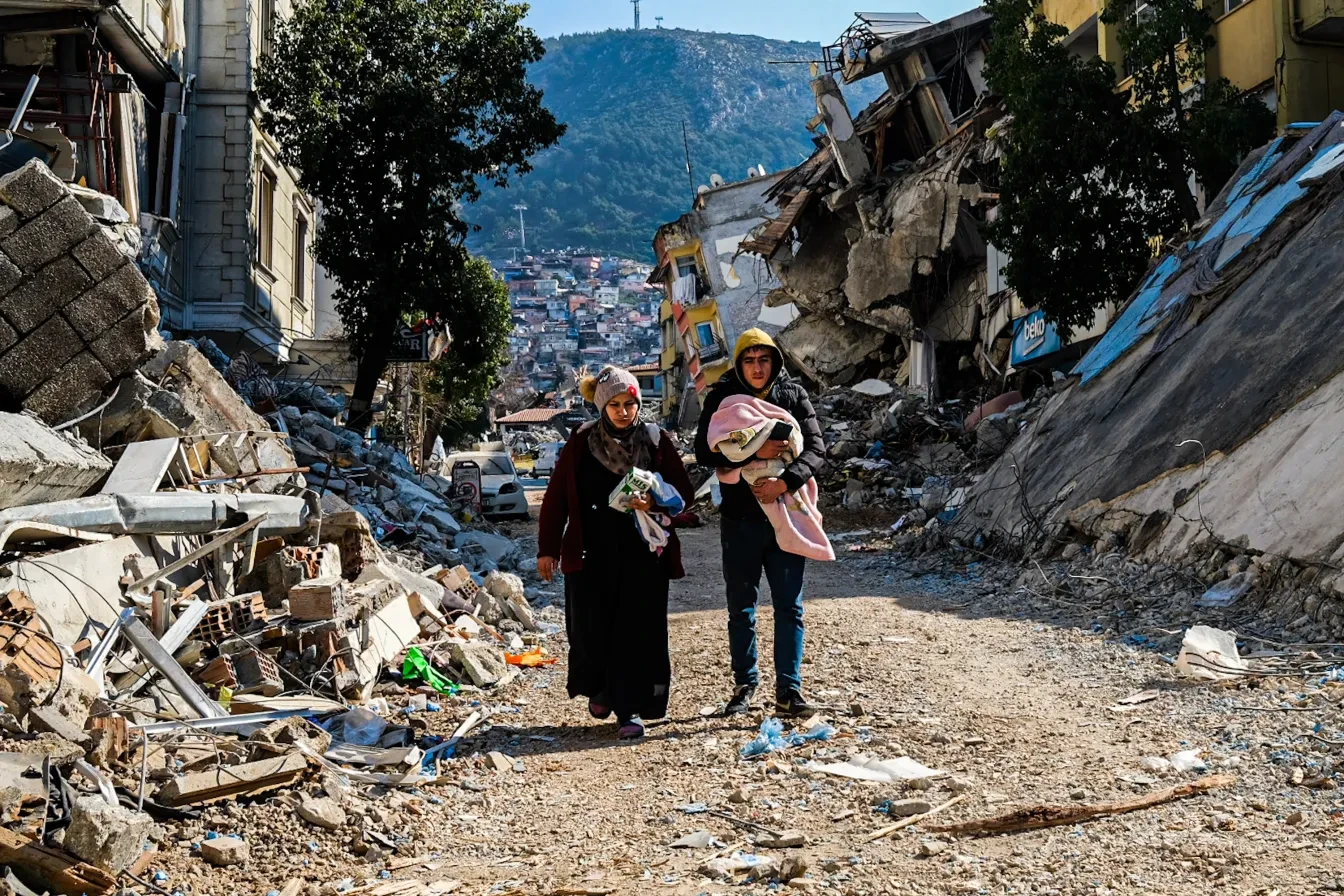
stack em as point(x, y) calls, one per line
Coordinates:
point(615, 586)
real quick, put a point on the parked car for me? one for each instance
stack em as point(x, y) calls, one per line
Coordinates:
point(547, 456)
point(502, 493)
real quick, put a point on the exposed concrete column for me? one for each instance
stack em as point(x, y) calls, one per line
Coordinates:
point(845, 143)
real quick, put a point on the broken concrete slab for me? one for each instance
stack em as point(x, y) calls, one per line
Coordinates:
point(142, 467)
point(38, 464)
point(322, 812)
point(496, 547)
point(507, 589)
point(109, 837)
point(483, 662)
point(828, 351)
point(210, 786)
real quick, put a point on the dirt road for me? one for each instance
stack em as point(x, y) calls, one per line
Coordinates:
point(1016, 710)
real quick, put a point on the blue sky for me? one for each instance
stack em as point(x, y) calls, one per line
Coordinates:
point(803, 20)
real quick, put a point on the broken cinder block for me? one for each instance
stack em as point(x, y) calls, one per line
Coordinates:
point(107, 836)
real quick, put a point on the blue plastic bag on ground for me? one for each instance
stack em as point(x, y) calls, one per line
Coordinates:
point(772, 738)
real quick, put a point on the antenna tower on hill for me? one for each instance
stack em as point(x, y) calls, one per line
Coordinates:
point(636, 4)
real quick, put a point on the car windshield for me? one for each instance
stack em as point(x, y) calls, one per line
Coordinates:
point(491, 465)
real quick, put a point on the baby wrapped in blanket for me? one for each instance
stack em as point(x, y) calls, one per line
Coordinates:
point(738, 430)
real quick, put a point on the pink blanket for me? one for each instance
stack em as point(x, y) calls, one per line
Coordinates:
point(742, 423)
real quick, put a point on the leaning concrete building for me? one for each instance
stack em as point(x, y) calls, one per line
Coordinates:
point(714, 291)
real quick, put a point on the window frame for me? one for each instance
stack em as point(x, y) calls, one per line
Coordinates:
point(267, 15)
point(267, 185)
point(299, 268)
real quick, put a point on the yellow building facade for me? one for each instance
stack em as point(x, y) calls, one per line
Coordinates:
point(1288, 52)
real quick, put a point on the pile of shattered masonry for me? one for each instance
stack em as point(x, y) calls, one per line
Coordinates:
point(897, 454)
point(199, 603)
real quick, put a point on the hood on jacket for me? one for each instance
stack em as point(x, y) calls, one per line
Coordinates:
point(757, 338)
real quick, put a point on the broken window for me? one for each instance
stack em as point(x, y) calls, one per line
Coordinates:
point(687, 267)
point(265, 217)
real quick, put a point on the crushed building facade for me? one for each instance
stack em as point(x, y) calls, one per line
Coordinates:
point(151, 105)
point(714, 292)
point(878, 241)
point(1206, 419)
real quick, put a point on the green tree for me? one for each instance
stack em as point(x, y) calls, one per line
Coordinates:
point(394, 112)
point(1077, 205)
point(1090, 176)
point(458, 385)
point(1197, 125)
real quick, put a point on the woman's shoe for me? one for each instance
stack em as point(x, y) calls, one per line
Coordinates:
point(598, 711)
point(631, 728)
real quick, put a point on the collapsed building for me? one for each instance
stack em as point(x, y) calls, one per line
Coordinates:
point(1205, 424)
point(207, 593)
point(878, 243)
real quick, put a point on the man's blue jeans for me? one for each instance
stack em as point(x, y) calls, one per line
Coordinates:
point(749, 547)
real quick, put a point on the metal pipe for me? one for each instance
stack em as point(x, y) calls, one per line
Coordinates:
point(23, 104)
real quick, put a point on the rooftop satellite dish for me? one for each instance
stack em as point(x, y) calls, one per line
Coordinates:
point(702, 189)
point(716, 180)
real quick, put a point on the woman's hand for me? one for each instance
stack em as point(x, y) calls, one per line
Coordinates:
point(546, 568)
point(643, 502)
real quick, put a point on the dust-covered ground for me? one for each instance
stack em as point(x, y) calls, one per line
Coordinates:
point(1016, 707)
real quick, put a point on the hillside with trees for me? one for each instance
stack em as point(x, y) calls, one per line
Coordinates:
point(620, 170)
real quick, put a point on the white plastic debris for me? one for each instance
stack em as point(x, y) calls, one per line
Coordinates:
point(1188, 761)
point(1209, 654)
point(884, 771)
point(363, 728)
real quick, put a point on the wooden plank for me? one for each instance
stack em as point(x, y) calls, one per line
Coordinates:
point(44, 868)
point(768, 243)
point(232, 781)
point(1037, 817)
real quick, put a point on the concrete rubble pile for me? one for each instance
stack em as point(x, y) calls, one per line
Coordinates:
point(894, 452)
point(1171, 443)
point(195, 605)
point(878, 242)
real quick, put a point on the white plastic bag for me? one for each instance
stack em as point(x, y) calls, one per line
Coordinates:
point(1209, 654)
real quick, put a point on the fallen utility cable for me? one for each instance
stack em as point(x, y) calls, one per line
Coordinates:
point(1037, 817)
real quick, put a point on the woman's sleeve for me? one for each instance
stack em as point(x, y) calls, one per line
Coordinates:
point(555, 506)
point(673, 470)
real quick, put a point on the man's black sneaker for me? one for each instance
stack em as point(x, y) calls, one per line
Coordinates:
point(741, 701)
point(791, 705)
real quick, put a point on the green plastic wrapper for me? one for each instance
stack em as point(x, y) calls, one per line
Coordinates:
point(417, 668)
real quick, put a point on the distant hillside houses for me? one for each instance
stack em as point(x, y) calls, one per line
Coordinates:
point(574, 311)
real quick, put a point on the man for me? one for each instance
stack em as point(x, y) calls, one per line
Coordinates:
point(748, 539)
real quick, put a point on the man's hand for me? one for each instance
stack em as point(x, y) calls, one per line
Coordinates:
point(643, 502)
point(772, 449)
point(546, 568)
point(769, 490)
